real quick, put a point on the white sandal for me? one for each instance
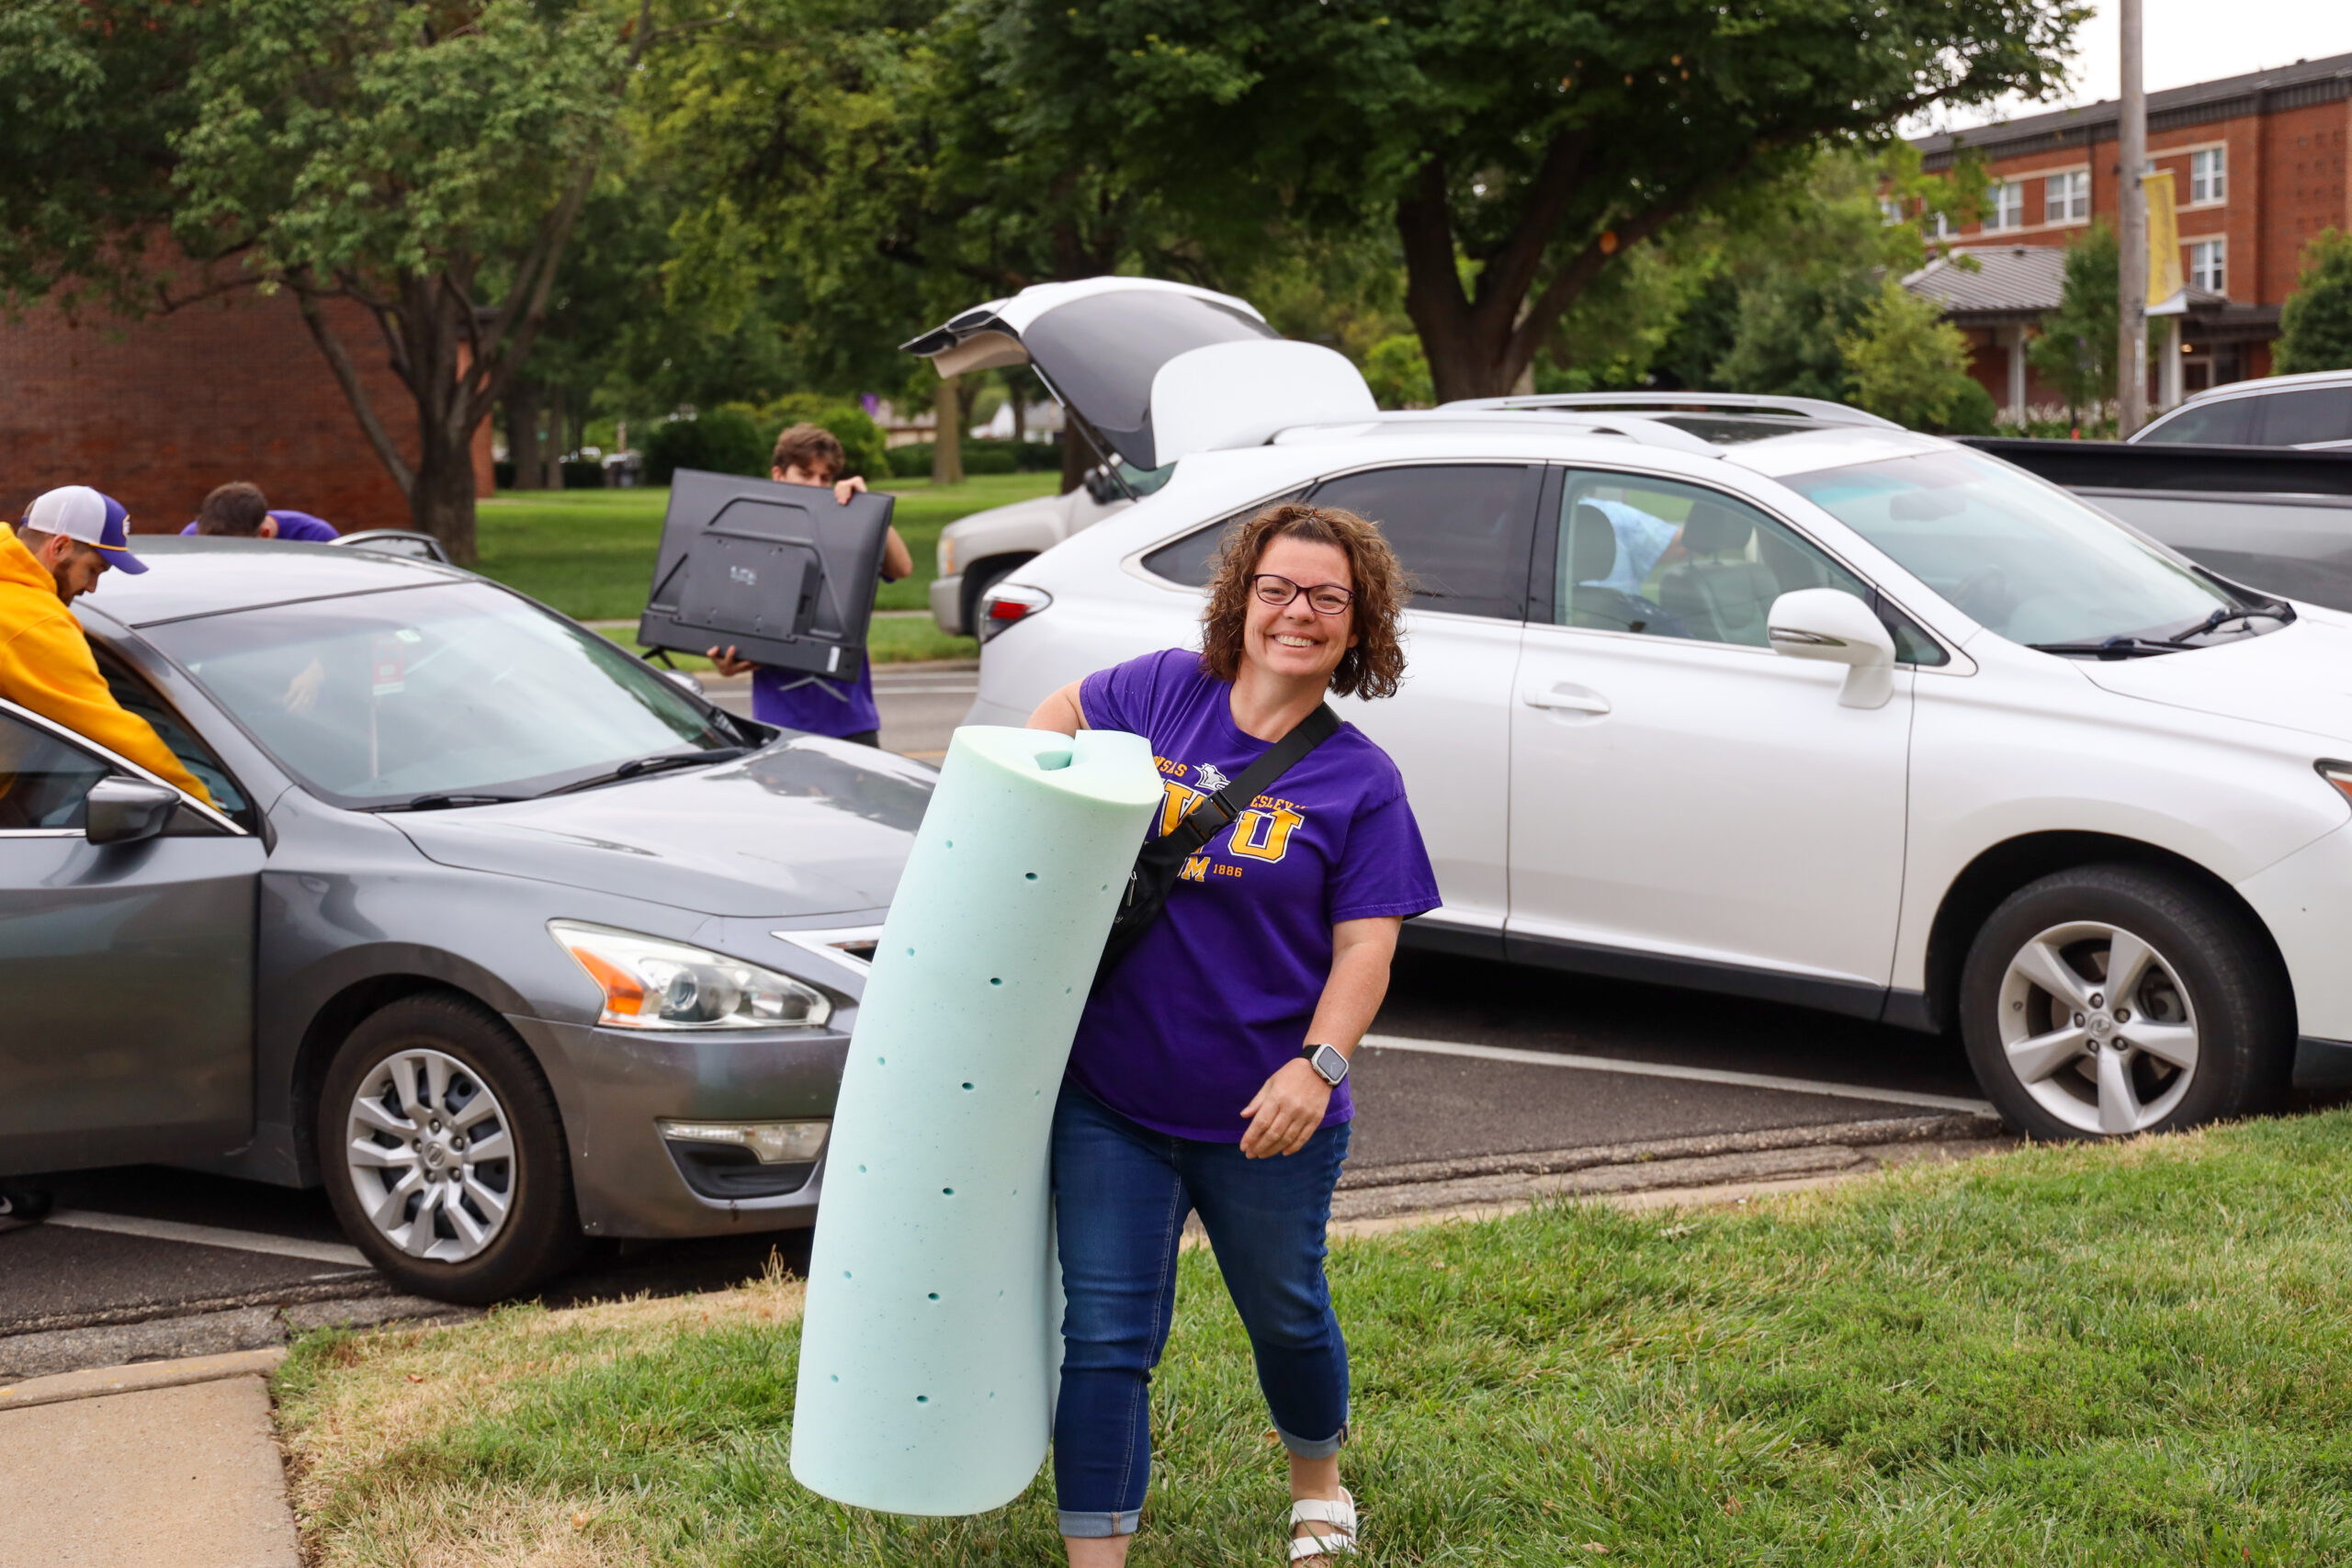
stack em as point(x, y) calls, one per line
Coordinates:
point(1340, 1515)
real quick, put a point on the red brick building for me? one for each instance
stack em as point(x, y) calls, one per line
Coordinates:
point(2258, 166)
point(157, 412)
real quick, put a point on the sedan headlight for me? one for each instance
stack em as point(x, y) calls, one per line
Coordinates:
point(652, 984)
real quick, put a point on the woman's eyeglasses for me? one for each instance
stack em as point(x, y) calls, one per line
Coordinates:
point(1324, 598)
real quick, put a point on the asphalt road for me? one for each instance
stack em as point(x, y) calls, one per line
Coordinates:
point(1468, 1058)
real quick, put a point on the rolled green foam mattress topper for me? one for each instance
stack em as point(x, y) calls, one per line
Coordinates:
point(929, 1343)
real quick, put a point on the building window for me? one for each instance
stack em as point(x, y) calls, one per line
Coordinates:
point(2005, 206)
point(1890, 209)
point(2209, 177)
point(1934, 226)
point(2207, 266)
point(2066, 198)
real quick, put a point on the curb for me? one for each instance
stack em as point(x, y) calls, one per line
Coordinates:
point(1555, 1162)
point(99, 1382)
point(187, 1338)
point(1645, 1183)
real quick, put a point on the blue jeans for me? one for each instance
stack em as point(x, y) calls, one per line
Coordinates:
point(1121, 1192)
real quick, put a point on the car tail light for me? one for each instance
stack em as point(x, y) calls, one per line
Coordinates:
point(2337, 774)
point(1008, 603)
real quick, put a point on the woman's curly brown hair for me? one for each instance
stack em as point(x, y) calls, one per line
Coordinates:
point(1374, 665)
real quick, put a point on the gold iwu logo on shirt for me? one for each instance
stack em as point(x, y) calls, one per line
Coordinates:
point(1261, 832)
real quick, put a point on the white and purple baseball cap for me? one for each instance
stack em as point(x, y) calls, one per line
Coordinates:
point(77, 512)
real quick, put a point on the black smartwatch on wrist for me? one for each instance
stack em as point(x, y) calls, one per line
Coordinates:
point(1330, 1063)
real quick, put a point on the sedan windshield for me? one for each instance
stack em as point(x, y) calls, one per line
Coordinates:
point(2021, 558)
point(436, 695)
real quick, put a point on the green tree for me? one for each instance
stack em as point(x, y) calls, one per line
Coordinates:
point(427, 162)
point(2315, 325)
point(1905, 362)
point(1516, 146)
point(1397, 375)
point(2075, 350)
point(90, 96)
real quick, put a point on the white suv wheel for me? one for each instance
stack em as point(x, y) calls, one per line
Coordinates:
point(2098, 1028)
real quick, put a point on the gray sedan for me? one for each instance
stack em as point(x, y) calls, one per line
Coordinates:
point(498, 932)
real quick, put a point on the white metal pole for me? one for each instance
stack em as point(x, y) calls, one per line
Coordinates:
point(2169, 378)
point(2131, 356)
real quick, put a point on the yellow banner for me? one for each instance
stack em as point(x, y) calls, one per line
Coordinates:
point(2168, 289)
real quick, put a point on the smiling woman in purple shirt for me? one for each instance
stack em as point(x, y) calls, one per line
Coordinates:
point(1209, 1073)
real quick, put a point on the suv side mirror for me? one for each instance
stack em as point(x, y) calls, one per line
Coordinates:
point(127, 810)
point(1836, 629)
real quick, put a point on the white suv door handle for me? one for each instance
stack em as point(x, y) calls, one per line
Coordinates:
point(1573, 698)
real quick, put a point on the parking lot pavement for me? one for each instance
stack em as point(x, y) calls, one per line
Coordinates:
point(921, 704)
point(1468, 1059)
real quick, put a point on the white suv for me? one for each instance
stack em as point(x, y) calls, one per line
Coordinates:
point(1790, 705)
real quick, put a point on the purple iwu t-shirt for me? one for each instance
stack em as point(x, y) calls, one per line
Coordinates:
point(299, 526)
point(1219, 992)
point(799, 701)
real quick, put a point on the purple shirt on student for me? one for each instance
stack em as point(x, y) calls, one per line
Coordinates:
point(299, 526)
point(1219, 992)
point(799, 701)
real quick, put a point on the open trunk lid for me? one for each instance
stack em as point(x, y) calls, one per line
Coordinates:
point(1158, 370)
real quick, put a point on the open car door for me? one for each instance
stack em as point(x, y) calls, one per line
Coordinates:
point(1157, 370)
point(126, 928)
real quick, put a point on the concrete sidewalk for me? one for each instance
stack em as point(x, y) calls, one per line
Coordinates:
point(166, 1464)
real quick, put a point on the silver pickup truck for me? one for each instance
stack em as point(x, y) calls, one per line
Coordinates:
point(978, 552)
point(2274, 519)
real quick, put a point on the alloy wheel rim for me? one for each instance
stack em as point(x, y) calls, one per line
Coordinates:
point(431, 1156)
point(2096, 1025)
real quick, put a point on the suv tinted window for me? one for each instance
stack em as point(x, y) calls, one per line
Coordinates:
point(2229, 423)
point(1463, 530)
point(1192, 559)
point(44, 783)
point(2299, 418)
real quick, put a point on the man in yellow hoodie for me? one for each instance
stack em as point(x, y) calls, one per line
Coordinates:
point(71, 537)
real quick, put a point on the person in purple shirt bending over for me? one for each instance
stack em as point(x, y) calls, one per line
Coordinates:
point(1209, 1072)
point(810, 455)
point(238, 510)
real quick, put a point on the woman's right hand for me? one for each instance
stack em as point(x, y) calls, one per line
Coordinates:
point(726, 664)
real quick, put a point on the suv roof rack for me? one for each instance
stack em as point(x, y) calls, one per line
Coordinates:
point(1652, 404)
point(1639, 428)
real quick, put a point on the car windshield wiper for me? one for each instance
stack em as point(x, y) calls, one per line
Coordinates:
point(661, 761)
point(2112, 648)
point(2225, 614)
point(443, 801)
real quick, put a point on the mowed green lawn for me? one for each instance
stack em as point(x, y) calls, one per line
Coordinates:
point(2126, 1354)
point(589, 553)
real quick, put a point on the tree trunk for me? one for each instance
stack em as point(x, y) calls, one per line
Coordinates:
point(441, 504)
point(947, 441)
point(524, 448)
point(1077, 457)
point(559, 434)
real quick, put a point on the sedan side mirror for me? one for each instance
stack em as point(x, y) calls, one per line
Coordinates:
point(1836, 629)
point(126, 810)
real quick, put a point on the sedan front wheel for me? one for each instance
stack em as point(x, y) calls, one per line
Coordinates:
point(2107, 1000)
point(444, 1155)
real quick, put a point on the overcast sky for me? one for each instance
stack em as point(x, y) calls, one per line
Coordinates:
point(2185, 41)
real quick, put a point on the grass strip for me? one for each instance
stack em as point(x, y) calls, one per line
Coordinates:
point(590, 553)
point(2127, 1353)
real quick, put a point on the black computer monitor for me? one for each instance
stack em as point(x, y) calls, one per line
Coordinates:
point(783, 573)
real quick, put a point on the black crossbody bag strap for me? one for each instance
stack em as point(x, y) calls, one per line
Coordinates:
point(1157, 861)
